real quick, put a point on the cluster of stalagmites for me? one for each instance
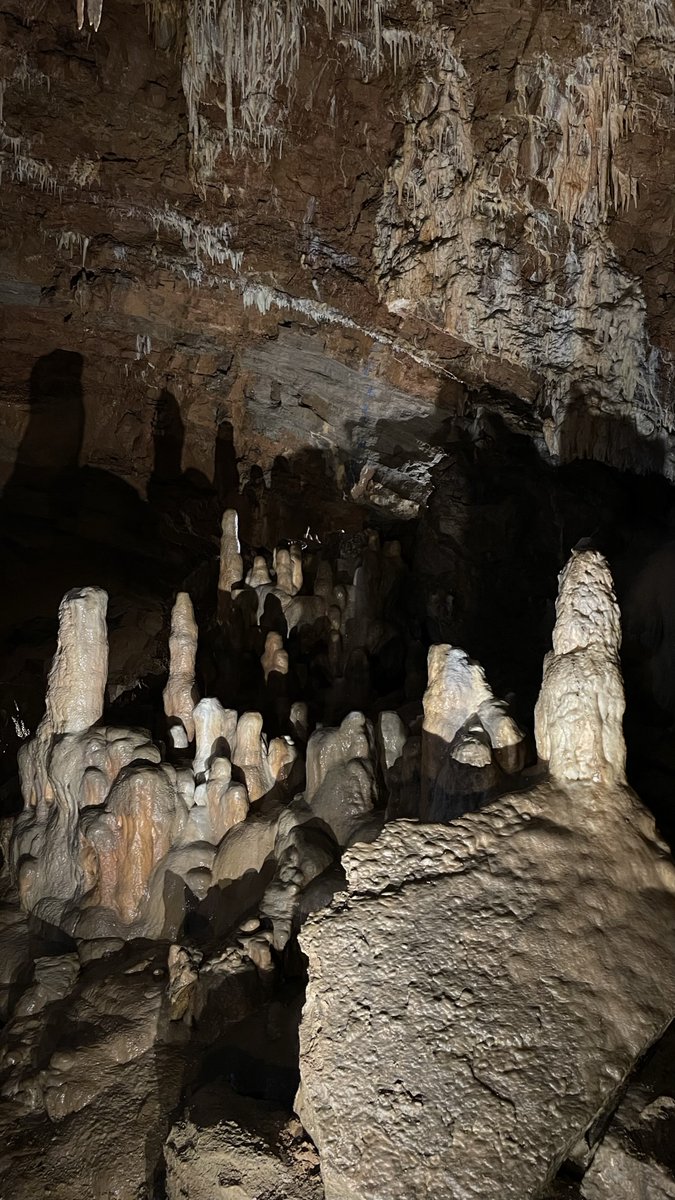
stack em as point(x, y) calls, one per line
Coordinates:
point(492, 1008)
point(117, 840)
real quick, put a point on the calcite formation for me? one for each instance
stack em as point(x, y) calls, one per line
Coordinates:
point(578, 718)
point(467, 736)
point(476, 991)
point(474, 1000)
point(180, 694)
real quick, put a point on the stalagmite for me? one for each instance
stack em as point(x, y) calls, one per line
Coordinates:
point(259, 575)
point(231, 561)
point(391, 738)
point(180, 695)
point(215, 728)
point(222, 802)
point(130, 834)
point(341, 787)
point(455, 690)
point(468, 737)
point(250, 755)
point(274, 657)
point(284, 571)
point(578, 717)
point(79, 672)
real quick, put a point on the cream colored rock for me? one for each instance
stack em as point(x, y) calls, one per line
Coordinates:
point(259, 575)
point(391, 738)
point(455, 690)
point(129, 835)
point(303, 850)
point(79, 671)
point(219, 803)
point(250, 755)
point(180, 693)
point(274, 657)
point(183, 963)
point(579, 713)
point(481, 991)
point(341, 788)
point(331, 748)
point(506, 737)
point(215, 728)
point(231, 561)
point(283, 569)
point(245, 849)
point(463, 724)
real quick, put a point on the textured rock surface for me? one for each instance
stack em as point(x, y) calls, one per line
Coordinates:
point(636, 1157)
point(229, 1146)
point(480, 993)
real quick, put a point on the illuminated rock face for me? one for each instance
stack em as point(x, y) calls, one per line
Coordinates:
point(469, 740)
point(495, 957)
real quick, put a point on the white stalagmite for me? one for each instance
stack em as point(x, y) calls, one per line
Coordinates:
point(274, 657)
point(283, 567)
point(579, 713)
point(455, 690)
point(215, 728)
point(79, 672)
point(231, 562)
point(180, 694)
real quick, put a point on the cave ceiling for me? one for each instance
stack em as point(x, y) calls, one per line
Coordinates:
point(342, 227)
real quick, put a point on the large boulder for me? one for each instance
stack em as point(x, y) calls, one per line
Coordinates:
point(481, 991)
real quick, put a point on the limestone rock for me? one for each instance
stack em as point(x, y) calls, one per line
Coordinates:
point(230, 1147)
point(231, 562)
point(636, 1157)
point(130, 834)
point(578, 717)
point(464, 727)
point(79, 671)
point(180, 694)
point(481, 991)
point(274, 657)
point(341, 786)
point(215, 728)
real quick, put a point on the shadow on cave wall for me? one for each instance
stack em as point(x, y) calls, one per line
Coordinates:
point(65, 523)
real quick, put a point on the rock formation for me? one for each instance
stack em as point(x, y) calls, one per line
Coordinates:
point(180, 694)
point(467, 736)
point(487, 940)
point(492, 1009)
point(342, 323)
point(578, 718)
